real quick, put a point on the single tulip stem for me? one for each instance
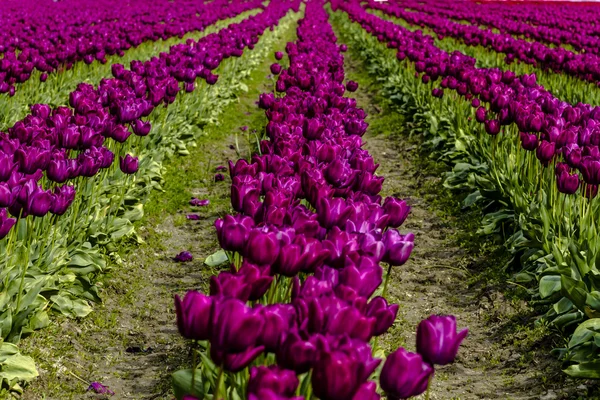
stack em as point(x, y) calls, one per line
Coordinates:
point(194, 355)
point(428, 387)
point(218, 388)
point(387, 279)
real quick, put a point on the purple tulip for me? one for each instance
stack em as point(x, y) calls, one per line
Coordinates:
point(129, 164)
point(296, 354)
point(199, 203)
point(492, 126)
point(398, 247)
point(367, 391)
point(437, 339)
point(6, 223)
point(184, 256)
point(193, 217)
point(278, 55)
point(262, 247)
point(141, 128)
point(397, 210)
point(235, 327)
point(275, 69)
point(279, 381)
point(545, 151)
point(99, 388)
point(352, 86)
point(384, 315)
point(194, 315)
point(404, 375)
point(63, 198)
point(529, 141)
point(219, 178)
point(590, 169)
point(567, 183)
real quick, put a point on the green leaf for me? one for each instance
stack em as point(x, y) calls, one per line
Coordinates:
point(590, 370)
point(182, 383)
point(549, 285)
point(16, 367)
point(585, 331)
point(575, 290)
point(216, 259)
point(71, 306)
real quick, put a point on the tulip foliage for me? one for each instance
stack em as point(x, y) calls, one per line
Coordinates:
point(295, 315)
point(532, 156)
point(71, 188)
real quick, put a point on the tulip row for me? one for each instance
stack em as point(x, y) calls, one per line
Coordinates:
point(54, 261)
point(535, 22)
point(62, 34)
point(552, 241)
point(584, 66)
point(305, 251)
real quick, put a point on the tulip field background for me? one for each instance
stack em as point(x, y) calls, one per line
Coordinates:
point(299, 199)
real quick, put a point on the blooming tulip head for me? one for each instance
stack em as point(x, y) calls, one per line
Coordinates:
point(129, 164)
point(194, 315)
point(438, 340)
point(404, 375)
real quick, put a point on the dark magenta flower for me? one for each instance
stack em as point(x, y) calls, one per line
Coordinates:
point(129, 164)
point(352, 86)
point(194, 315)
point(99, 388)
point(280, 381)
point(397, 210)
point(184, 256)
point(193, 217)
point(278, 55)
point(6, 223)
point(199, 203)
point(438, 340)
point(275, 69)
point(404, 375)
point(398, 247)
point(235, 326)
point(567, 183)
point(219, 178)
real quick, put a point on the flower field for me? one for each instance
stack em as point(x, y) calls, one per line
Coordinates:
point(287, 199)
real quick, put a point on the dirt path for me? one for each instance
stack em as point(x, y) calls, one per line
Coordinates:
point(453, 271)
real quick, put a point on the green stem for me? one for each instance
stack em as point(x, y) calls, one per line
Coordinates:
point(387, 279)
point(194, 354)
point(219, 379)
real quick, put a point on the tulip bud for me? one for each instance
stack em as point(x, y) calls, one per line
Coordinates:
point(404, 375)
point(129, 164)
point(437, 339)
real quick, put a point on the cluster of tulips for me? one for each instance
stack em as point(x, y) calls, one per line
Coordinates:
point(554, 129)
point(48, 36)
point(63, 143)
point(557, 24)
point(585, 66)
point(299, 301)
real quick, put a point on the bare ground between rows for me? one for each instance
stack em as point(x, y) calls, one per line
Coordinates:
point(505, 356)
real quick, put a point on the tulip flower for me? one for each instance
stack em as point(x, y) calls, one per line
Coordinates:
point(398, 247)
point(99, 388)
point(193, 217)
point(404, 375)
point(567, 183)
point(352, 86)
point(235, 327)
point(184, 256)
point(438, 340)
point(397, 210)
point(6, 223)
point(129, 164)
point(278, 55)
point(194, 315)
point(280, 381)
point(219, 178)
point(199, 203)
point(275, 69)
